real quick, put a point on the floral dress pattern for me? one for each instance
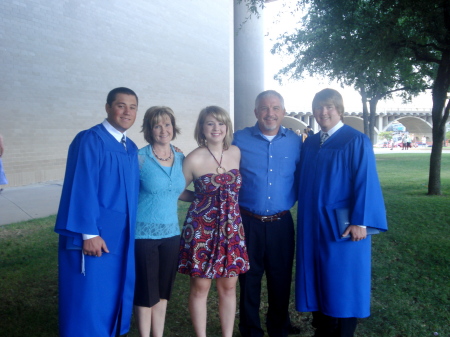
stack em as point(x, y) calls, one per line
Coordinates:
point(212, 240)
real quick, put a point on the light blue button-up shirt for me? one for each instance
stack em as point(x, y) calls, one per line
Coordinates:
point(269, 170)
point(159, 190)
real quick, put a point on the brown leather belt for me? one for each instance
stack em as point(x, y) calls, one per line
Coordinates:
point(264, 218)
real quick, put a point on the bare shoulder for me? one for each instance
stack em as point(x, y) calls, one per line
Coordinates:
point(196, 156)
point(235, 151)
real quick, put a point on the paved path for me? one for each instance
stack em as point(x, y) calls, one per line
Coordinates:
point(29, 202)
point(378, 150)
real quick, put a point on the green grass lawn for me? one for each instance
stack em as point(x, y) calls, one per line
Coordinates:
point(411, 266)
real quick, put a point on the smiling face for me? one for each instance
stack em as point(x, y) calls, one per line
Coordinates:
point(214, 130)
point(328, 108)
point(270, 113)
point(122, 112)
point(162, 131)
point(326, 115)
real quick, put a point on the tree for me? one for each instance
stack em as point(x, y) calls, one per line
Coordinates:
point(332, 42)
point(378, 47)
point(386, 134)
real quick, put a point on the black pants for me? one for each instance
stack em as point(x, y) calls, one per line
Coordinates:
point(327, 326)
point(270, 247)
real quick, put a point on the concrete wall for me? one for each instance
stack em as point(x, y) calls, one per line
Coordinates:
point(61, 57)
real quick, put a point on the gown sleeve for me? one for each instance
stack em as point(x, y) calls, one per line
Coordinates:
point(79, 206)
point(368, 206)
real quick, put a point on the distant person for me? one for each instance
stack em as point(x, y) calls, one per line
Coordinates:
point(157, 229)
point(213, 241)
point(3, 180)
point(270, 157)
point(298, 132)
point(424, 141)
point(404, 142)
point(408, 142)
point(412, 139)
point(96, 223)
point(337, 172)
point(304, 135)
point(310, 131)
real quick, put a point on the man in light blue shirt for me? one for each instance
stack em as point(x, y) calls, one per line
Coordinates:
point(270, 156)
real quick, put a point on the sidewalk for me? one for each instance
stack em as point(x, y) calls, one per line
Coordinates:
point(29, 202)
point(398, 150)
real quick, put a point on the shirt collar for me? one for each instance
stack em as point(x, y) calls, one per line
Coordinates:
point(334, 128)
point(256, 131)
point(113, 131)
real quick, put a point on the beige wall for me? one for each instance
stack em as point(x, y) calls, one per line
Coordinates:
point(60, 59)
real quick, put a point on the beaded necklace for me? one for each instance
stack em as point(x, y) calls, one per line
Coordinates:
point(220, 167)
point(163, 159)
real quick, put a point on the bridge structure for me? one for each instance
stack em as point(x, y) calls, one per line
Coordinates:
point(417, 122)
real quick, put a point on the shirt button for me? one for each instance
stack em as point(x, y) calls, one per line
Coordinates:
point(270, 170)
point(268, 197)
point(270, 183)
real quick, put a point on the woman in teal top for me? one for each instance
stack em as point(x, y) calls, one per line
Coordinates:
point(157, 230)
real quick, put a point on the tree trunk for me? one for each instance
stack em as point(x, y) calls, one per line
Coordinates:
point(363, 94)
point(373, 109)
point(439, 117)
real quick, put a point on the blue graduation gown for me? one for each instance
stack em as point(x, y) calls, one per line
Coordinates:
point(332, 275)
point(99, 196)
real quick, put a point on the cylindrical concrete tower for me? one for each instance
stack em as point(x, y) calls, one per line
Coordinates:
point(248, 64)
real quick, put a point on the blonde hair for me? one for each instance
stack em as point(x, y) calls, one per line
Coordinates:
point(327, 96)
point(152, 117)
point(222, 116)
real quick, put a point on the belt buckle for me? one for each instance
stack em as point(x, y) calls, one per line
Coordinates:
point(269, 218)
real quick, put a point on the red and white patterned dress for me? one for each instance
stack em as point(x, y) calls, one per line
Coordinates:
point(212, 240)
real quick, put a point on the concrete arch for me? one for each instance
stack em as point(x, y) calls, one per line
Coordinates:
point(355, 122)
point(293, 123)
point(358, 124)
point(416, 126)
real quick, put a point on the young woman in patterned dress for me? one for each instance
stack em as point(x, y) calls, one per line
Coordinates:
point(212, 240)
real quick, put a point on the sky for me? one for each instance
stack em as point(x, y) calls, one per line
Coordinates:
point(298, 95)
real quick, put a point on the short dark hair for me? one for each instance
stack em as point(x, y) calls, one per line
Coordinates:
point(152, 117)
point(121, 90)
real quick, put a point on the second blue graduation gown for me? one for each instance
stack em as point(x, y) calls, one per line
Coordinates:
point(333, 276)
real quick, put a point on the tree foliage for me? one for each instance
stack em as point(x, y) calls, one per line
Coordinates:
point(332, 42)
point(379, 47)
point(386, 134)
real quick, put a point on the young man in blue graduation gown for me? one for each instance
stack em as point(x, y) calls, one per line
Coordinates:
point(95, 224)
point(337, 171)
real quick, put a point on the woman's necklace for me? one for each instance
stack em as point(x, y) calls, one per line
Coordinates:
point(163, 159)
point(218, 163)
